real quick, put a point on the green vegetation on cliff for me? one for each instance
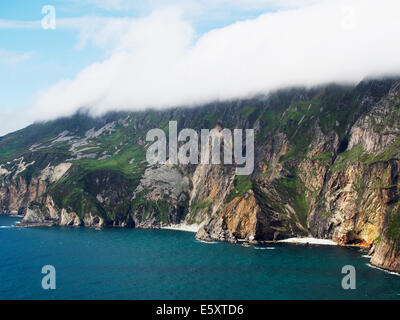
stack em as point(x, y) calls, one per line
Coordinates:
point(293, 127)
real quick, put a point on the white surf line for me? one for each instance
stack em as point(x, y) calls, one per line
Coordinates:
point(384, 270)
point(207, 242)
point(325, 242)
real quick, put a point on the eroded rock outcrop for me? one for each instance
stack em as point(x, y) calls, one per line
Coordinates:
point(387, 255)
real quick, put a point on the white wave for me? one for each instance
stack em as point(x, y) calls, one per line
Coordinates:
point(264, 248)
point(366, 256)
point(387, 271)
point(6, 227)
point(207, 242)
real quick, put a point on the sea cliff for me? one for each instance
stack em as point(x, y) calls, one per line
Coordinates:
point(326, 166)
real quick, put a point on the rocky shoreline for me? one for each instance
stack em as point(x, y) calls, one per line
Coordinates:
point(195, 228)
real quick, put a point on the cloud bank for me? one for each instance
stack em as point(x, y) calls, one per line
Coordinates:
point(159, 61)
point(197, 5)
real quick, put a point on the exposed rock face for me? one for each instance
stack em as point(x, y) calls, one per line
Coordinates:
point(382, 120)
point(72, 219)
point(354, 203)
point(387, 255)
point(161, 197)
point(211, 184)
point(18, 191)
point(48, 214)
point(326, 165)
point(35, 215)
point(53, 174)
point(242, 218)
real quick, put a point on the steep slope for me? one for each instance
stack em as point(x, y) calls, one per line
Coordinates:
point(327, 165)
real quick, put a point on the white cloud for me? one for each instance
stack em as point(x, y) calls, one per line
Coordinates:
point(157, 61)
point(204, 4)
point(251, 4)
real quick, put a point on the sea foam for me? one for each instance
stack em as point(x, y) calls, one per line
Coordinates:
point(387, 271)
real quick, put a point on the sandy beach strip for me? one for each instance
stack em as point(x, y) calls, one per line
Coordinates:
point(325, 242)
point(182, 227)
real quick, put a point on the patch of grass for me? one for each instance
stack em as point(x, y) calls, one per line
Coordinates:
point(203, 206)
point(200, 205)
point(324, 156)
point(348, 157)
point(241, 184)
point(119, 163)
point(75, 199)
point(78, 193)
point(389, 153)
point(17, 143)
point(359, 154)
point(292, 189)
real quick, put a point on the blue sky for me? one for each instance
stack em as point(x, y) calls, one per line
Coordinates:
point(51, 55)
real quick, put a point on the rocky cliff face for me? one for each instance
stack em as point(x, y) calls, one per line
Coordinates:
point(19, 187)
point(327, 166)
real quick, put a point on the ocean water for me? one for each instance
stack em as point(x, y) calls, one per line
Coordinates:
point(165, 264)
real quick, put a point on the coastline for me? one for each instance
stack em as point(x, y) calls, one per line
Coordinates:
point(194, 228)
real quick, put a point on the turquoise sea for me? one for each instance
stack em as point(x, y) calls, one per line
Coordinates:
point(164, 264)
